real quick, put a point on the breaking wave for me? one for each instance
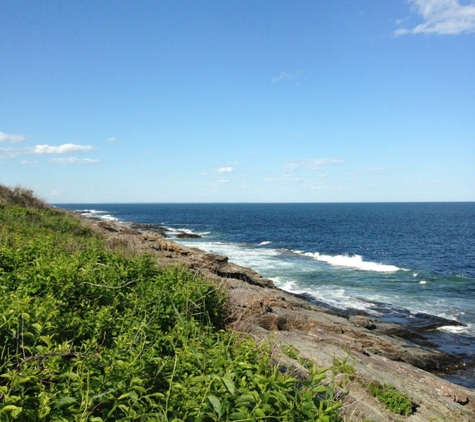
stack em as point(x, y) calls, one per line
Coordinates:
point(353, 261)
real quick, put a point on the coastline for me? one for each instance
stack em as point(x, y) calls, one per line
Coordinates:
point(386, 352)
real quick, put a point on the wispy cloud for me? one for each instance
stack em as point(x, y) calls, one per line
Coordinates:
point(10, 152)
point(285, 76)
point(73, 160)
point(6, 138)
point(44, 150)
point(370, 170)
point(447, 17)
point(311, 164)
point(220, 170)
point(61, 149)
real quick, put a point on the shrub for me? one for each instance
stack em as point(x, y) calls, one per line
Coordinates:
point(90, 334)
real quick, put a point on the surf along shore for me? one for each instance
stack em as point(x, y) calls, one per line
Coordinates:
point(358, 349)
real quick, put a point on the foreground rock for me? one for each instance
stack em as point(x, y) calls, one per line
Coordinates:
point(377, 350)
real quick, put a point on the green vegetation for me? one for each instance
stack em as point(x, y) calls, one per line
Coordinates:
point(89, 334)
point(291, 351)
point(343, 367)
point(394, 400)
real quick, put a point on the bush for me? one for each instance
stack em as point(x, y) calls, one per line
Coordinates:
point(20, 196)
point(87, 334)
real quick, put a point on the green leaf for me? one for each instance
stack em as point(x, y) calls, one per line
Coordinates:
point(64, 401)
point(320, 389)
point(70, 375)
point(229, 384)
point(216, 404)
point(131, 394)
point(15, 410)
point(236, 416)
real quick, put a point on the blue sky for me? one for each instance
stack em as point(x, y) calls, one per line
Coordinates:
point(238, 101)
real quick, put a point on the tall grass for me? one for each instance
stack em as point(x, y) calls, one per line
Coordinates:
point(87, 334)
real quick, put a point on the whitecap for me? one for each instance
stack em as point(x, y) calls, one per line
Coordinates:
point(108, 217)
point(454, 329)
point(422, 282)
point(94, 213)
point(266, 242)
point(354, 261)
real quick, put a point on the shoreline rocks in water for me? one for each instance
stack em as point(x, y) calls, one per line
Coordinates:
point(400, 355)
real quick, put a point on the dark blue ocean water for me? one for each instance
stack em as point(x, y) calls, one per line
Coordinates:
point(393, 260)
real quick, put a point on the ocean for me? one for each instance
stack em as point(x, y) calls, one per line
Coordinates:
point(400, 262)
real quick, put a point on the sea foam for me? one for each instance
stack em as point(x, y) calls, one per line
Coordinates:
point(353, 261)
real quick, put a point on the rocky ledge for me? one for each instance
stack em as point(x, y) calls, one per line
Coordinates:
point(388, 353)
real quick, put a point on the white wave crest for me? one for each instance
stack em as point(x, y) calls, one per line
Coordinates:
point(353, 261)
point(455, 329)
point(97, 214)
point(266, 242)
point(108, 217)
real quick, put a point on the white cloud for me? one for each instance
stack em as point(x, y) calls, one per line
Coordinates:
point(74, 160)
point(61, 149)
point(220, 170)
point(11, 139)
point(112, 140)
point(227, 169)
point(9, 153)
point(447, 17)
point(311, 164)
point(285, 76)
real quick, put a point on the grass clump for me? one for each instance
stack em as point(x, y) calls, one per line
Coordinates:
point(87, 334)
point(290, 350)
point(394, 400)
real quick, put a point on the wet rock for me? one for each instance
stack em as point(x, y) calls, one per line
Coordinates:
point(150, 228)
point(184, 235)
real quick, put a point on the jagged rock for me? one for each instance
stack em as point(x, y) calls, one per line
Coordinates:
point(388, 353)
point(108, 227)
point(184, 235)
point(149, 228)
point(272, 322)
point(362, 321)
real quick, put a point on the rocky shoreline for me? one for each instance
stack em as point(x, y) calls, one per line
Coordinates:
point(394, 354)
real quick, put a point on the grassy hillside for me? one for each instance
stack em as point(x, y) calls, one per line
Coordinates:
point(88, 334)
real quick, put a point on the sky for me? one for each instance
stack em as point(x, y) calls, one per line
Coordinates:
point(238, 101)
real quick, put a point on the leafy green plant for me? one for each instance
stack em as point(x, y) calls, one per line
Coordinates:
point(342, 367)
point(89, 334)
point(394, 400)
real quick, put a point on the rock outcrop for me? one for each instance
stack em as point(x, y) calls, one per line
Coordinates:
point(378, 351)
